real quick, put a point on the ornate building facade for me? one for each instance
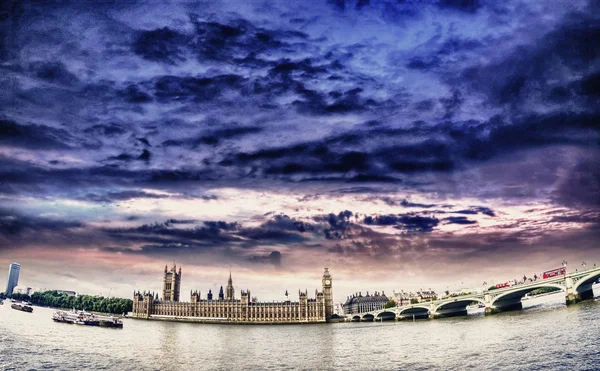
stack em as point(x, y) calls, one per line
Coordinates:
point(358, 303)
point(229, 309)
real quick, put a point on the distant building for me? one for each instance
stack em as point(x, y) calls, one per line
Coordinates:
point(358, 303)
point(227, 308)
point(68, 292)
point(426, 295)
point(22, 290)
point(13, 277)
point(338, 309)
point(402, 298)
point(27, 290)
point(405, 298)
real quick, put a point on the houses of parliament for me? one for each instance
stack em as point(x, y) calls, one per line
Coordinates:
point(227, 308)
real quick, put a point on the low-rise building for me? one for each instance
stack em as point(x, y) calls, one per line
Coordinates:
point(405, 298)
point(425, 295)
point(22, 290)
point(68, 292)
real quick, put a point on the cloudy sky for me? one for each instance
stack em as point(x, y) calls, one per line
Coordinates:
point(403, 144)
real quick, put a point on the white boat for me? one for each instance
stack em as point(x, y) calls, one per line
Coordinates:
point(529, 297)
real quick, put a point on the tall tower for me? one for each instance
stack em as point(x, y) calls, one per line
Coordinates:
point(221, 296)
point(13, 277)
point(171, 284)
point(229, 293)
point(328, 294)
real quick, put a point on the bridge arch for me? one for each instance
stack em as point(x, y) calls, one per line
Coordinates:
point(409, 309)
point(419, 311)
point(368, 317)
point(587, 280)
point(517, 294)
point(386, 315)
point(356, 319)
point(455, 307)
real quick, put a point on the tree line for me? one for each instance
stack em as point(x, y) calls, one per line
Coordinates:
point(79, 302)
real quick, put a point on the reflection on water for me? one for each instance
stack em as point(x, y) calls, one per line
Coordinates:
point(546, 334)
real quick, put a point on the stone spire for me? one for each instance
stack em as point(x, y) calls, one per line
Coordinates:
point(230, 292)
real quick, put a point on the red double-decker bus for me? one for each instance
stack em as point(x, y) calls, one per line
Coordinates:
point(555, 272)
point(502, 285)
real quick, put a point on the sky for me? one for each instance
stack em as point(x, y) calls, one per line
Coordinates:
point(403, 144)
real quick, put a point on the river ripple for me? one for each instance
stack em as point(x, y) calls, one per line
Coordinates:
point(545, 335)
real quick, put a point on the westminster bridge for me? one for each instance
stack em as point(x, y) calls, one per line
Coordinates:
point(576, 285)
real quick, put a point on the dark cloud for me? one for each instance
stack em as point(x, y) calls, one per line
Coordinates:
point(409, 223)
point(214, 234)
point(53, 72)
point(14, 224)
point(161, 45)
point(531, 71)
point(134, 94)
point(111, 197)
point(165, 234)
point(213, 41)
point(467, 6)
point(590, 85)
point(476, 210)
point(108, 130)
point(274, 258)
point(581, 185)
point(214, 137)
point(407, 203)
point(33, 136)
point(196, 89)
point(458, 220)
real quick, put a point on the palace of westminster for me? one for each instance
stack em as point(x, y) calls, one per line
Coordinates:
point(226, 308)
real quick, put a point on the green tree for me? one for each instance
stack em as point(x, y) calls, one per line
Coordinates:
point(390, 304)
point(85, 302)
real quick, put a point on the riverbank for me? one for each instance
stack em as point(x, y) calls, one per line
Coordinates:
point(70, 309)
point(220, 321)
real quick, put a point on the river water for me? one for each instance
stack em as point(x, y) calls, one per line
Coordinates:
point(544, 335)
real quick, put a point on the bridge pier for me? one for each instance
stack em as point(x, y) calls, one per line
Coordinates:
point(449, 313)
point(503, 307)
point(576, 297)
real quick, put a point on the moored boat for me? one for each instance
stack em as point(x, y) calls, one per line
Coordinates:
point(24, 308)
point(86, 319)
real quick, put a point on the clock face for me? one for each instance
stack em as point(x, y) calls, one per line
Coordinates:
point(327, 282)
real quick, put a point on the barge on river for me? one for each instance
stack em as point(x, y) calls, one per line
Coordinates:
point(21, 307)
point(86, 319)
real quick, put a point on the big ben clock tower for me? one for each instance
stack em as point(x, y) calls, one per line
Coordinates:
point(328, 294)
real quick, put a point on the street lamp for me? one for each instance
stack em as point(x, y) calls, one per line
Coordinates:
point(583, 265)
